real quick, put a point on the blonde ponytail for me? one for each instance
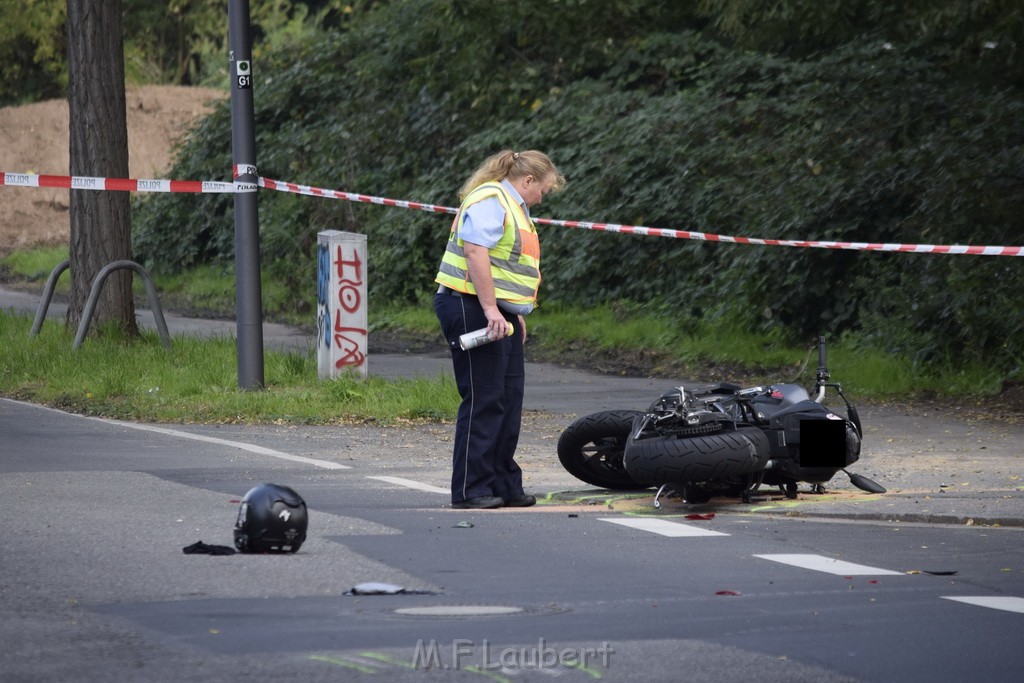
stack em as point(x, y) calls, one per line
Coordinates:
point(512, 165)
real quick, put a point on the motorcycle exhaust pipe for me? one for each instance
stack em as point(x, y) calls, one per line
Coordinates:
point(864, 484)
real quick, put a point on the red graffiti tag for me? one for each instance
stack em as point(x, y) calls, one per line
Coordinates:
point(352, 355)
point(350, 276)
point(348, 340)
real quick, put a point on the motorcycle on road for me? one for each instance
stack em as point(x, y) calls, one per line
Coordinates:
point(721, 440)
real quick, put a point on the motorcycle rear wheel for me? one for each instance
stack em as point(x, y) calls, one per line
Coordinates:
point(657, 460)
point(591, 449)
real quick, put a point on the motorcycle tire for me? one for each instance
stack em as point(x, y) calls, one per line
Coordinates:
point(591, 449)
point(658, 460)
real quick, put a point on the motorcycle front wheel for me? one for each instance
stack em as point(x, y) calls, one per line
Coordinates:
point(591, 449)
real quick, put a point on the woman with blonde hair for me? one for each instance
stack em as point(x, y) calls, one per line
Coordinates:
point(488, 279)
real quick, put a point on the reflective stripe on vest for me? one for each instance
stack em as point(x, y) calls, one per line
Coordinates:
point(515, 259)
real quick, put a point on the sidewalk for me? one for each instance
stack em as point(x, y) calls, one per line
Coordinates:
point(939, 465)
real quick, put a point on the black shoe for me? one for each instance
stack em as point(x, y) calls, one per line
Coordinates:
point(523, 501)
point(481, 503)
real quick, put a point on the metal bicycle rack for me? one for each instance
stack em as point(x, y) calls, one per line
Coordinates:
point(94, 295)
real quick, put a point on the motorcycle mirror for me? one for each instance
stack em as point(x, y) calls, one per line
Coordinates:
point(864, 484)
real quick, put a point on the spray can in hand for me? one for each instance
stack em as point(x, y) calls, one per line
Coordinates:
point(471, 340)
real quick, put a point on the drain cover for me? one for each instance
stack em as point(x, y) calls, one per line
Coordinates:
point(459, 610)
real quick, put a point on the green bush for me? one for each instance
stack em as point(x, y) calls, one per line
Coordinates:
point(655, 121)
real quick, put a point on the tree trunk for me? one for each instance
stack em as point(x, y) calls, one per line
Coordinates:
point(100, 221)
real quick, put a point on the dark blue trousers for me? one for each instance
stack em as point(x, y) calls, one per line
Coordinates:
point(490, 379)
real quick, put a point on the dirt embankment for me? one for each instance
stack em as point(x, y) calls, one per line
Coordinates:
point(34, 139)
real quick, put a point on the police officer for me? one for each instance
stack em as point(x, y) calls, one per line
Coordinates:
point(489, 277)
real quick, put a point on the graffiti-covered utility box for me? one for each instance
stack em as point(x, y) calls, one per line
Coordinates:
point(341, 303)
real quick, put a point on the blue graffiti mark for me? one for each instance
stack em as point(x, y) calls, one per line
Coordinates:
point(323, 287)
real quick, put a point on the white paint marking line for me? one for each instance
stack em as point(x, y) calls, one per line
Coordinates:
point(326, 464)
point(661, 526)
point(992, 601)
point(829, 566)
point(410, 484)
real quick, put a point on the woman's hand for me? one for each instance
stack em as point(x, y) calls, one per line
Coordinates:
point(478, 261)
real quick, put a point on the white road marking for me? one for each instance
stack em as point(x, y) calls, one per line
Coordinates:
point(410, 484)
point(252, 448)
point(459, 611)
point(993, 601)
point(829, 565)
point(661, 526)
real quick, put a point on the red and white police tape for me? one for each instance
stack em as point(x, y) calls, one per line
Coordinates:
point(661, 232)
point(122, 184)
point(130, 185)
point(349, 196)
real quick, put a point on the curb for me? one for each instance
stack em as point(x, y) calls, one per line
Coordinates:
point(894, 518)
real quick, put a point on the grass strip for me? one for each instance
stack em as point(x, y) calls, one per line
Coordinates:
point(196, 381)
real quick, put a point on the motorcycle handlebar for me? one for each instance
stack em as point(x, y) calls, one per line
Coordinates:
point(823, 374)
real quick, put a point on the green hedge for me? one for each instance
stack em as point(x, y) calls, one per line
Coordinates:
point(655, 121)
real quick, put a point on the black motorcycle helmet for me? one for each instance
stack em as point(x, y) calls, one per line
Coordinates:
point(271, 519)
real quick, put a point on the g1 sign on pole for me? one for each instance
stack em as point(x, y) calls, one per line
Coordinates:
point(248, 288)
point(341, 303)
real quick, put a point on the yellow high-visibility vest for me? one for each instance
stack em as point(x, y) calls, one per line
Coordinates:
point(515, 259)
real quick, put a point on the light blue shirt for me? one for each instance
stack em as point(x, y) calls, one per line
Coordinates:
point(484, 224)
point(484, 221)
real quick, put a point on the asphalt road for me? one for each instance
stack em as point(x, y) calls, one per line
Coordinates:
point(587, 585)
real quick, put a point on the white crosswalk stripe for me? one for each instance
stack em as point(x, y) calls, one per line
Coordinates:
point(661, 526)
point(829, 565)
point(1009, 604)
point(412, 484)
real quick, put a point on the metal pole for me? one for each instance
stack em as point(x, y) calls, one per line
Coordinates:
point(248, 288)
